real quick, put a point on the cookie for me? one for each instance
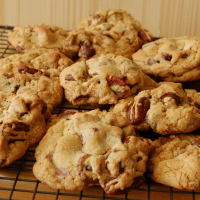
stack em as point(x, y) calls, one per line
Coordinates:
point(35, 72)
point(35, 62)
point(167, 109)
point(119, 25)
point(54, 119)
point(22, 125)
point(102, 80)
point(48, 89)
point(171, 59)
point(176, 161)
point(5, 100)
point(38, 36)
point(85, 44)
point(92, 148)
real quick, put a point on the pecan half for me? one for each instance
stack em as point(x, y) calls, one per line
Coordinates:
point(25, 69)
point(18, 126)
point(143, 35)
point(137, 112)
point(112, 80)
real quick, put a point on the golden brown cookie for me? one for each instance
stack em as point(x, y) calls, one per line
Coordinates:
point(119, 25)
point(167, 109)
point(92, 148)
point(101, 80)
point(171, 59)
point(38, 36)
point(176, 161)
point(22, 125)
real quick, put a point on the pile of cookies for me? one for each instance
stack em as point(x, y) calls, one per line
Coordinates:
point(151, 87)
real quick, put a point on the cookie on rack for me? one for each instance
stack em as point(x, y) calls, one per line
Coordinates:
point(36, 72)
point(176, 161)
point(167, 109)
point(119, 25)
point(22, 125)
point(85, 44)
point(92, 148)
point(39, 61)
point(171, 59)
point(101, 80)
point(48, 89)
point(5, 100)
point(38, 36)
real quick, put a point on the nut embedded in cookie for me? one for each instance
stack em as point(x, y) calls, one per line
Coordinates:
point(22, 125)
point(92, 148)
point(167, 109)
point(101, 80)
point(170, 59)
point(86, 44)
point(118, 25)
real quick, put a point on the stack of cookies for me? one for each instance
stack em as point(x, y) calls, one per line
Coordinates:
point(151, 87)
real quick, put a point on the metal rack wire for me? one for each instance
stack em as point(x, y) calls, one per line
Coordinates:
point(17, 181)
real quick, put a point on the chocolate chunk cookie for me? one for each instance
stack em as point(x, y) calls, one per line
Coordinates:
point(48, 89)
point(167, 109)
point(101, 80)
point(35, 62)
point(92, 148)
point(38, 36)
point(5, 100)
point(30, 73)
point(84, 44)
point(119, 25)
point(171, 59)
point(22, 125)
point(176, 161)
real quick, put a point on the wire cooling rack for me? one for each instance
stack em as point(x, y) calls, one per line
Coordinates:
point(17, 181)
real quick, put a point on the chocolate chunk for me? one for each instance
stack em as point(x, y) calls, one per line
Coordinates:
point(184, 55)
point(166, 57)
point(88, 50)
point(69, 78)
point(173, 96)
point(150, 62)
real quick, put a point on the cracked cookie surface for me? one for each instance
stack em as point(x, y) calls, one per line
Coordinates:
point(25, 74)
point(85, 44)
point(176, 161)
point(101, 80)
point(92, 148)
point(22, 125)
point(167, 109)
point(38, 36)
point(35, 62)
point(171, 59)
point(119, 25)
